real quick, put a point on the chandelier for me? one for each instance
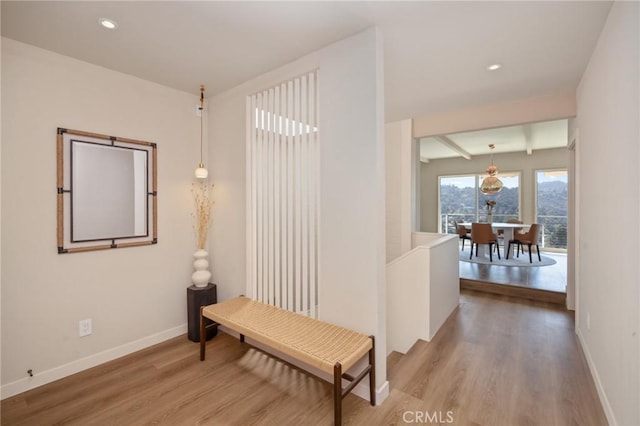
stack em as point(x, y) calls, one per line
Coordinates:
point(491, 184)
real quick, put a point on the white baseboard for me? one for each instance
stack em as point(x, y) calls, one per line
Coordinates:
point(606, 406)
point(381, 393)
point(361, 389)
point(73, 367)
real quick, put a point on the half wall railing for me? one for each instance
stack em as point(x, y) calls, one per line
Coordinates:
point(423, 289)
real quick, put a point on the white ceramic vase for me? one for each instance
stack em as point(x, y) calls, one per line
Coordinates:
point(201, 275)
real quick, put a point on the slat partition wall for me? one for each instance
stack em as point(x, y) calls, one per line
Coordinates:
point(282, 181)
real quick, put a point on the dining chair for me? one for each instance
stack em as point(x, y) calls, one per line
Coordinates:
point(515, 231)
point(481, 233)
point(464, 233)
point(529, 239)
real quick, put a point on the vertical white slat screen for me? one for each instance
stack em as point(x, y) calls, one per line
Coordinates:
point(312, 154)
point(283, 205)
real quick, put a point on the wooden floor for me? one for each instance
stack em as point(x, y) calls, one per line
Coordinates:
point(544, 283)
point(496, 361)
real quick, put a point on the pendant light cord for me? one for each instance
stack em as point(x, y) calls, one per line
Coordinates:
point(491, 148)
point(201, 112)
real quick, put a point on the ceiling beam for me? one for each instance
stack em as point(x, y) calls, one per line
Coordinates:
point(528, 140)
point(453, 146)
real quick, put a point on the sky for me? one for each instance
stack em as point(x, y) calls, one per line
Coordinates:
point(552, 176)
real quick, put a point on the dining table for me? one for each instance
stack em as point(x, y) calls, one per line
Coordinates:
point(508, 230)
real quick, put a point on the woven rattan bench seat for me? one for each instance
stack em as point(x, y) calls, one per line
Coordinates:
point(317, 343)
point(327, 347)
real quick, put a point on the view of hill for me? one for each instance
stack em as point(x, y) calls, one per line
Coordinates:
point(553, 212)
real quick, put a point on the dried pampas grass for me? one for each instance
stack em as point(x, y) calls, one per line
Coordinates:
point(202, 201)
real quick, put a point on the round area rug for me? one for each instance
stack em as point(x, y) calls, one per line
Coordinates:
point(523, 260)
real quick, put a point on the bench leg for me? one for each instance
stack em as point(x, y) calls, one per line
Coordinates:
point(337, 394)
point(372, 372)
point(203, 335)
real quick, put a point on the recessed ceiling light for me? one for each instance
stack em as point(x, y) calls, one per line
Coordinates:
point(108, 23)
point(494, 67)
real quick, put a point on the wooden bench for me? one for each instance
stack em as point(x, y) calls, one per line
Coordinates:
point(327, 347)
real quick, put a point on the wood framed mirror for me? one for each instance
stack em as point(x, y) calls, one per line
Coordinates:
point(107, 192)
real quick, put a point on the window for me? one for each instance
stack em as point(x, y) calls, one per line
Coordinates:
point(551, 207)
point(507, 201)
point(460, 200)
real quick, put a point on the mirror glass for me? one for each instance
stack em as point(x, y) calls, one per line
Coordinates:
point(107, 192)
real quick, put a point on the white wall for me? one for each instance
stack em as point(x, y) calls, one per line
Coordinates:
point(499, 114)
point(351, 221)
point(608, 145)
point(508, 162)
point(135, 296)
point(572, 251)
point(399, 182)
point(0, 204)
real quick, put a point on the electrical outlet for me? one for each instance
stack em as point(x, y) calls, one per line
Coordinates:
point(588, 321)
point(85, 327)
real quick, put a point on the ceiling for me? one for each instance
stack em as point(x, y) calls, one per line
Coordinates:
point(525, 138)
point(435, 53)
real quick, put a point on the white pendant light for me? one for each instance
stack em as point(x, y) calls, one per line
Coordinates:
point(201, 172)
